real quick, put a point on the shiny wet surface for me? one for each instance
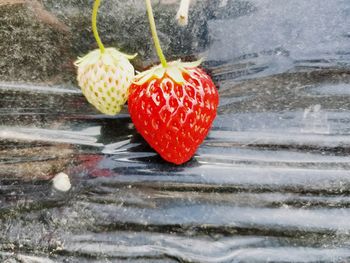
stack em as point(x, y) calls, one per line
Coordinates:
point(271, 183)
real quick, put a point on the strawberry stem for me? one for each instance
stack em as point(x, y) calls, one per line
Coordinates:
point(182, 14)
point(154, 33)
point(94, 25)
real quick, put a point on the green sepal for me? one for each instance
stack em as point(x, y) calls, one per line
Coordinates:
point(109, 57)
point(174, 70)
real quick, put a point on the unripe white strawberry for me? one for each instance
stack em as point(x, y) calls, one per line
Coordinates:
point(105, 78)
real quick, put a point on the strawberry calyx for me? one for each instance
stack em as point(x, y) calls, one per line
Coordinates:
point(109, 56)
point(174, 70)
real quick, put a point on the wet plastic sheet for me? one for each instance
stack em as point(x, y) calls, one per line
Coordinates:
point(270, 183)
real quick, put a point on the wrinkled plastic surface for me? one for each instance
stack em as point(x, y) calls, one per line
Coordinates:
point(270, 183)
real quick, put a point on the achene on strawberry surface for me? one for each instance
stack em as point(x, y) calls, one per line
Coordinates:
point(104, 78)
point(173, 108)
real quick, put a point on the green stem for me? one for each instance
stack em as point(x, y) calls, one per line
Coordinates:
point(94, 25)
point(154, 33)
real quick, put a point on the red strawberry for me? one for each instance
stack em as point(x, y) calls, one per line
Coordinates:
point(173, 108)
